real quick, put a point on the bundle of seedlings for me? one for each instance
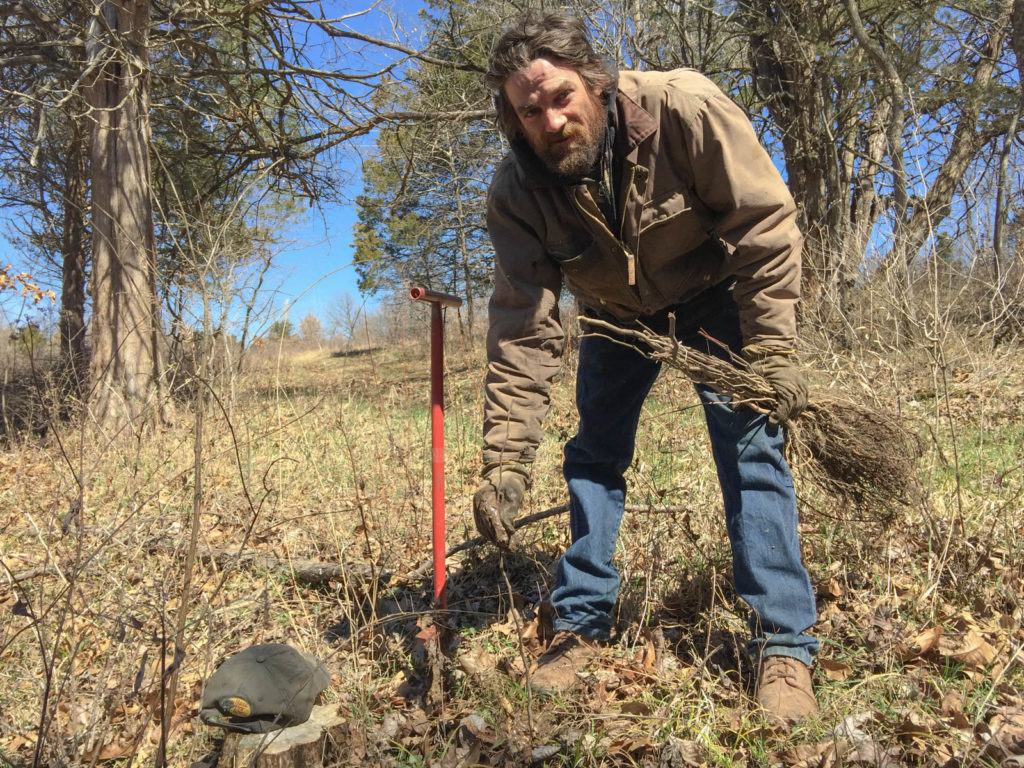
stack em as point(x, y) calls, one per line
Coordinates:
point(851, 452)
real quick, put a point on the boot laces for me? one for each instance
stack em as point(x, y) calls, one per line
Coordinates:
point(779, 668)
point(562, 642)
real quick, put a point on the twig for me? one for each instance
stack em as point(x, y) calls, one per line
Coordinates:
point(31, 573)
point(518, 620)
point(168, 693)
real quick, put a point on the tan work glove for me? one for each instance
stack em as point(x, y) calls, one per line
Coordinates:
point(497, 501)
point(782, 370)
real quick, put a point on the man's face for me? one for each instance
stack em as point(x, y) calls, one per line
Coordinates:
point(562, 119)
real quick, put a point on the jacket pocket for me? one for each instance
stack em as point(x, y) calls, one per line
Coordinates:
point(679, 212)
point(567, 251)
point(686, 273)
point(594, 273)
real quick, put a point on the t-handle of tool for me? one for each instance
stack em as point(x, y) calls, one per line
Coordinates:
point(434, 297)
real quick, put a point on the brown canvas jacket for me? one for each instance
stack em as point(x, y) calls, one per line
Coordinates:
point(700, 202)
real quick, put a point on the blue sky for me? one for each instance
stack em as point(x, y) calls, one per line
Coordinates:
point(315, 268)
point(311, 272)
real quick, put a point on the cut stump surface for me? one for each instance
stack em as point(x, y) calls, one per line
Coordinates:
point(317, 742)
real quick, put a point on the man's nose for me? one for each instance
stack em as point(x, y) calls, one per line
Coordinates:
point(555, 120)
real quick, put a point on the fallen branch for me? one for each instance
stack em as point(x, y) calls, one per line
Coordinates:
point(849, 451)
point(308, 571)
point(318, 572)
point(31, 573)
point(424, 568)
point(301, 569)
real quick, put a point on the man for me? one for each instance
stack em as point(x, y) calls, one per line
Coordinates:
point(644, 194)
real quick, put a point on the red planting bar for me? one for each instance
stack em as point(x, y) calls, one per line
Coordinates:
point(437, 300)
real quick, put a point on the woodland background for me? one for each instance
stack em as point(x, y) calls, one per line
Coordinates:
point(174, 453)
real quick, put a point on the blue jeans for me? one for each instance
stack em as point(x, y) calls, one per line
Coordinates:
point(760, 503)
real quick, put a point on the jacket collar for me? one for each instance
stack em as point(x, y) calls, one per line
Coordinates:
point(635, 124)
point(630, 123)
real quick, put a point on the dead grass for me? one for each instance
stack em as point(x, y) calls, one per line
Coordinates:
point(327, 458)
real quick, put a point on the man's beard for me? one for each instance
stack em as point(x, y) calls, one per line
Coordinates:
point(578, 152)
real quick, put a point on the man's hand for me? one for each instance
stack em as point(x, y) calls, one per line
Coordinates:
point(496, 504)
point(784, 373)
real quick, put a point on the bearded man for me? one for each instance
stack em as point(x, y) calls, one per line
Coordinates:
point(645, 194)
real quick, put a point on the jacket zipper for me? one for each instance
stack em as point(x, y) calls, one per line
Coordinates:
point(630, 258)
point(630, 255)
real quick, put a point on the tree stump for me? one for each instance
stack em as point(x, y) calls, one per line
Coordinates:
point(317, 742)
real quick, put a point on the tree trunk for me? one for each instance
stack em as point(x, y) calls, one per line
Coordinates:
point(125, 366)
point(74, 254)
point(778, 34)
point(999, 229)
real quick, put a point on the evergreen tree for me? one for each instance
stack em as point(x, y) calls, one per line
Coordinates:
point(422, 217)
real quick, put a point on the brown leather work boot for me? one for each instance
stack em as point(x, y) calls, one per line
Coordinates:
point(555, 671)
point(784, 689)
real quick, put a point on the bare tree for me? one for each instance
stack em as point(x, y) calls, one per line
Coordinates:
point(344, 318)
point(971, 130)
point(310, 328)
point(44, 143)
point(74, 257)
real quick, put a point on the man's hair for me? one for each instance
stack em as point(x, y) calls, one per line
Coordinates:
point(557, 36)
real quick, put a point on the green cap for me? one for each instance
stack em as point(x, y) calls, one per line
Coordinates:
point(263, 688)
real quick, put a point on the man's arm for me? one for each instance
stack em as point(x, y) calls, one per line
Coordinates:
point(524, 340)
point(755, 217)
point(524, 349)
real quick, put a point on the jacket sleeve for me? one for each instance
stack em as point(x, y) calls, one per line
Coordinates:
point(524, 339)
point(755, 217)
